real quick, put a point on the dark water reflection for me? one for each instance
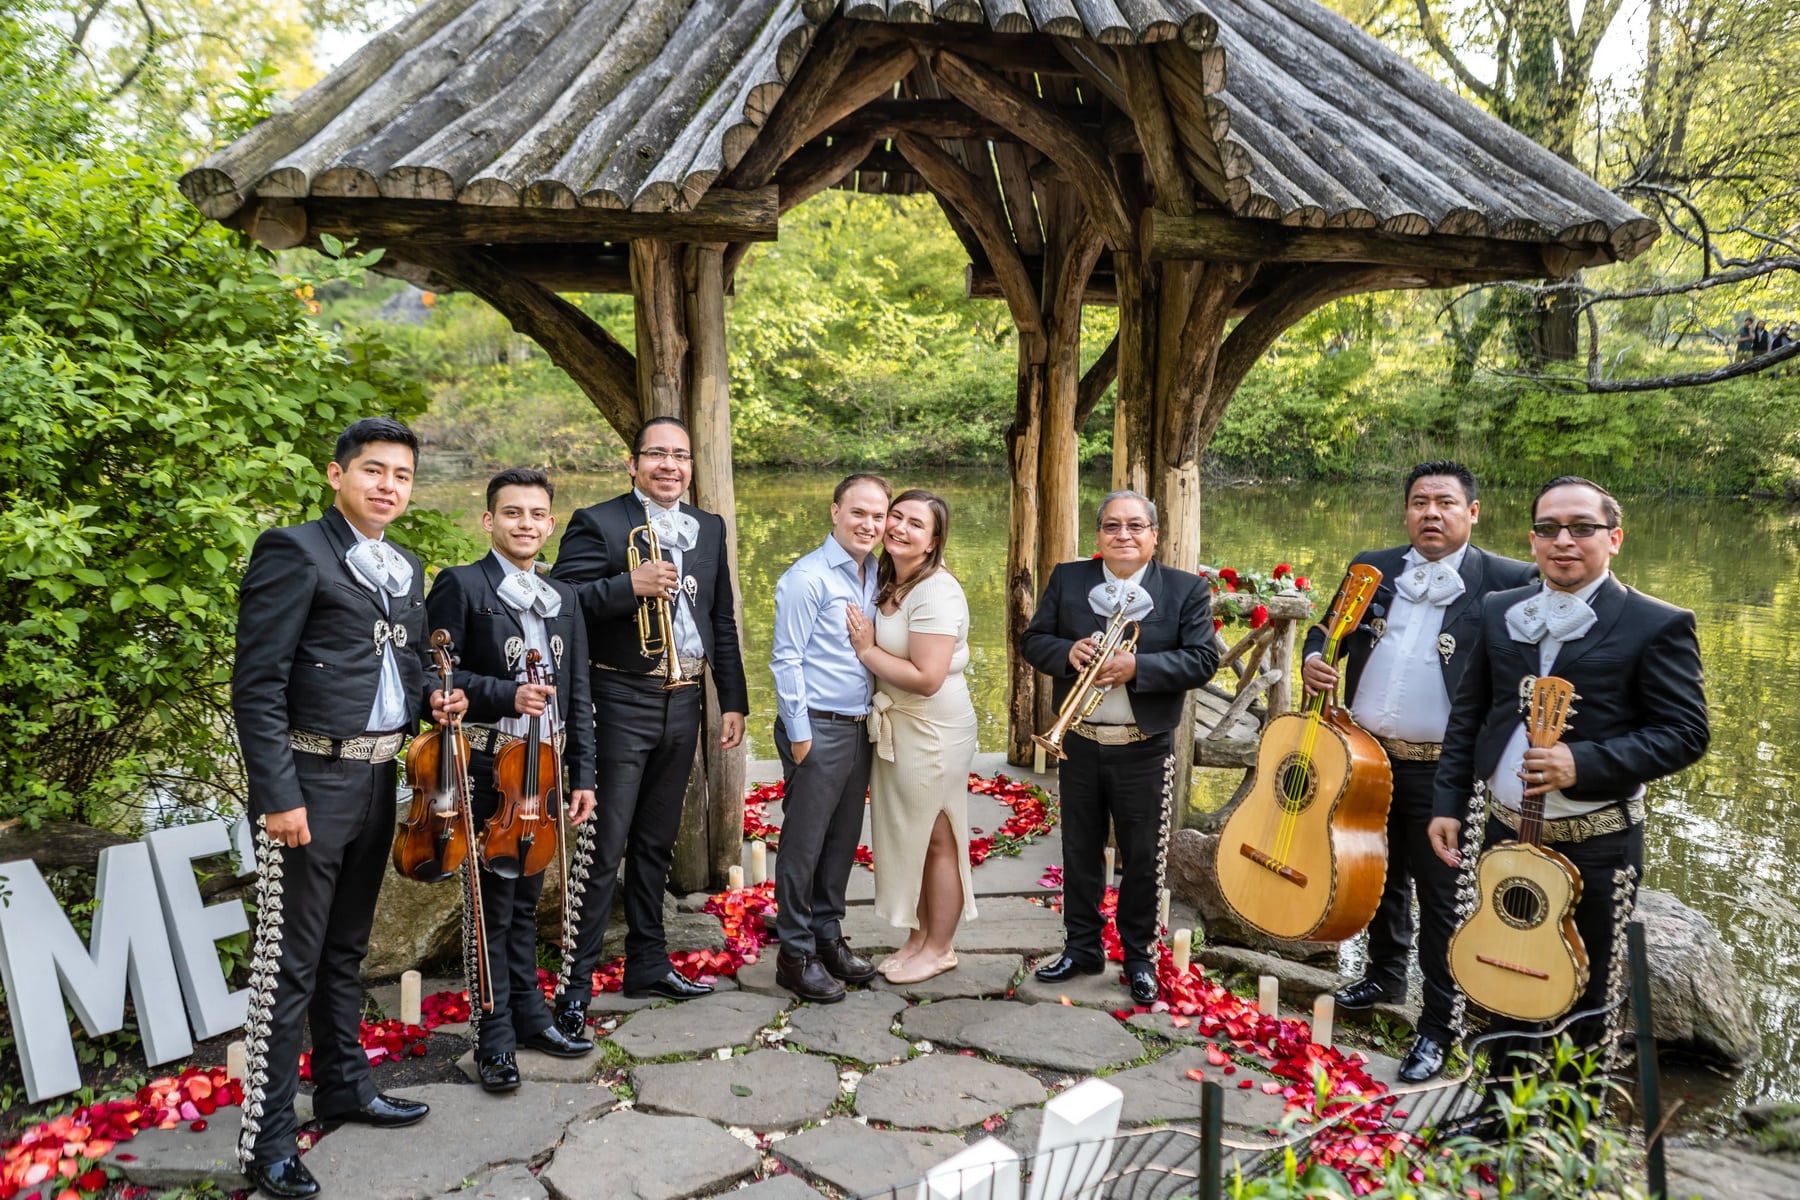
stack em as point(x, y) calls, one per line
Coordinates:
point(1720, 836)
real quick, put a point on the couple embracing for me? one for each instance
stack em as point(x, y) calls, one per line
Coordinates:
point(871, 641)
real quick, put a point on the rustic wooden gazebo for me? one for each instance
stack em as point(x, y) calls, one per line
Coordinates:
point(1214, 169)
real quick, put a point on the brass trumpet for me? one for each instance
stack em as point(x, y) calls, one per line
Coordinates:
point(655, 618)
point(1085, 697)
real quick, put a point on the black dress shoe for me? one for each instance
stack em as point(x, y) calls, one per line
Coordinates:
point(673, 986)
point(806, 977)
point(1065, 967)
point(1424, 1061)
point(384, 1112)
point(1142, 981)
point(845, 963)
point(498, 1072)
point(571, 1019)
point(286, 1179)
point(554, 1042)
point(1366, 993)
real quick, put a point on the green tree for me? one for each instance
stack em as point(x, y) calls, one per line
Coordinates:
point(167, 396)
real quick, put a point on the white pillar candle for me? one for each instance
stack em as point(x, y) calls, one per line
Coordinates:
point(1162, 910)
point(234, 1061)
point(410, 1003)
point(734, 877)
point(1269, 996)
point(1111, 857)
point(1183, 950)
point(1324, 1013)
point(1038, 762)
point(759, 862)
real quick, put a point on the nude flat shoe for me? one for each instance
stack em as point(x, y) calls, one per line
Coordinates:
point(918, 971)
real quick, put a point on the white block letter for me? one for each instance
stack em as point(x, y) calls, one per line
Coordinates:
point(212, 1009)
point(988, 1170)
point(1075, 1144)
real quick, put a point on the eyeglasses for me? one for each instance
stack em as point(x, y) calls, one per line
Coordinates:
point(1577, 529)
point(1134, 528)
point(658, 454)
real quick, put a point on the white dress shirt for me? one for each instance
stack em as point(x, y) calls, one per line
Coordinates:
point(388, 712)
point(687, 634)
point(537, 637)
point(1401, 692)
point(1504, 786)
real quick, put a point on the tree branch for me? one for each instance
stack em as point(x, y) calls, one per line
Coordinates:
point(1434, 37)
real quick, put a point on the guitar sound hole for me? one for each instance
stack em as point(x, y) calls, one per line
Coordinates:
point(1298, 781)
point(1521, 903)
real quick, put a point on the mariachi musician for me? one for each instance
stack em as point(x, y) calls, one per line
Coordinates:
point(1403, 664)
point(1639, 714)
point(497, 610)
point(326, 686)
point(1121, 760)
point(649, 730)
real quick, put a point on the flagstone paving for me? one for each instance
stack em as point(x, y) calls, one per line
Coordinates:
point(778, 1187)
point(538, 1067)
point(857, 1027)
point(1164, 1091)
point(975, 975)
point(606, 1005)
point(696, 1026)
point(856, 1160)
point(764, 1090)
point(945, 1020)
point(515, 1182)
point(1053, 1036)
point(632, 1154)
point(944, 1092)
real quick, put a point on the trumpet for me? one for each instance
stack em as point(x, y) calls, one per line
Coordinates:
point(1121, 634)
point(655, 618)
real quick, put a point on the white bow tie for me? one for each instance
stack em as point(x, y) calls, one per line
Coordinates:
point(380, 567)
point(1109, 597)
point(523, 591)
point(675, 529)
point(1564, 616)
point(1431, 583)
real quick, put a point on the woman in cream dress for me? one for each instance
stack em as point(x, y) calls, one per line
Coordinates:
point(923, 725)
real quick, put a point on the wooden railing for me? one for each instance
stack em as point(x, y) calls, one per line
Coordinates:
point(1227, 724)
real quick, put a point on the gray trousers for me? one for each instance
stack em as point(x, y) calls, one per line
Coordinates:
point(821, 821)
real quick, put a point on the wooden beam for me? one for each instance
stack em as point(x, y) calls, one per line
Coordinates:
point(980, 283)
point(661, 319)
point(1156, 132)
point(883, 119)
point(579, 269)
point(868, 78)
point(980, 207)
point(1063, 142)
point(1094, 381)
point(599, 365)
point(720, 216)
point(816, 168)
point(1218, 238)
point(799, 104)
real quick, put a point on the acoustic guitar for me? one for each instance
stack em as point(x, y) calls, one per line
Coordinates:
point(1304, 856)
point(1519, 953)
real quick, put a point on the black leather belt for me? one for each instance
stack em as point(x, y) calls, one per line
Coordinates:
point(819, 714)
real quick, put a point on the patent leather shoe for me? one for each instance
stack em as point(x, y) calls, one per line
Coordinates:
point(806, 977)
point(1424, 1061)
point(1142, 982)
point(554, 1042)
point(384, 1112)
point(845, 963)
point(571, 1019)
point(673, 986)
point(287, 1179)
point(498, 1072)
point(1064, 966)
point(1366, 993)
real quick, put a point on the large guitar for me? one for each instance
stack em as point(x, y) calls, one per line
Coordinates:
point(1305, 853)
point(1519, 953)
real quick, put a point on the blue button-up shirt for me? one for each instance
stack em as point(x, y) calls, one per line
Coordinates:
point(814, 664)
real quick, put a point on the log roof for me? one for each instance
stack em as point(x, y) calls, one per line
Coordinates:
point(1282, 110)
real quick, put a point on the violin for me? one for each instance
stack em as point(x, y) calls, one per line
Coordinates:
point(432, 840)
point(524, 835)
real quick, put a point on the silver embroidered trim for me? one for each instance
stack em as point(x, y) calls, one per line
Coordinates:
point(580, 863)
point(1473, 827)
point(265, 963)
point(1162, 836)
point(471, 951)
point(1618, 972)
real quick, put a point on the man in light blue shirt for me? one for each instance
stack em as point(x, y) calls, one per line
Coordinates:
point(822, 696)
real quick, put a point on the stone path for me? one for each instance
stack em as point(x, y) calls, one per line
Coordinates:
point(749, 1089)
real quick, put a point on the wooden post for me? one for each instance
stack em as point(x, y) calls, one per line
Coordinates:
point(662, 344)
point(709, 422)
point(1023, 441)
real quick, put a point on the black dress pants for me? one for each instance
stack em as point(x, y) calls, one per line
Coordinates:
point(1414, 867)
point(647, 739)
point(315, 904)
point(1130, 787)
point(821, 823)
point(509, 925)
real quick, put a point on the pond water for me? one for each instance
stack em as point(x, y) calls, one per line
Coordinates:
point(1720, 836)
